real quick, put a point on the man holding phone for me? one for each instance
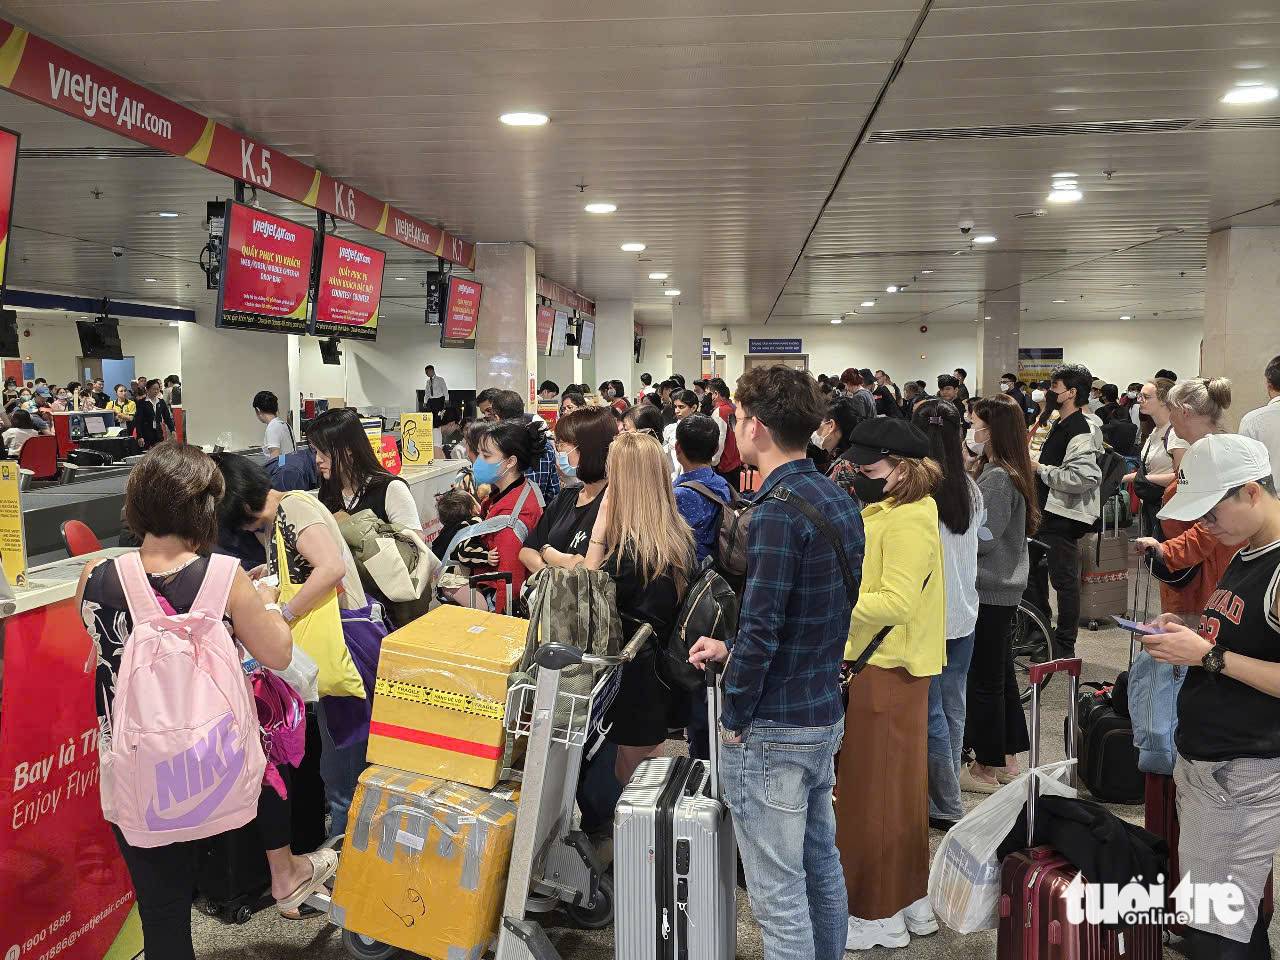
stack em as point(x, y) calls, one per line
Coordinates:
point(1227, 773)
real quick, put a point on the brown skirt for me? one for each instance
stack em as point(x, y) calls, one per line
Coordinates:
point(882, 793)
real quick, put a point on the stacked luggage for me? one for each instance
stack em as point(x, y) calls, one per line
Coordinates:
point(1104, 576)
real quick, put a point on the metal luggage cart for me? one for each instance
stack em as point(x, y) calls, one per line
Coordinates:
point(551, 862)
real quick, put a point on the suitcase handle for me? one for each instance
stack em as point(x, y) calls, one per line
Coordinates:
point(714, 702)
point(1038, 672)
point(501, 575)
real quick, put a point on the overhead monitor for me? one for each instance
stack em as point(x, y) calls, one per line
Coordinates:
point(546, 320)
point(558, 330)
point(461, 312)
point(9, 333)
point(329, 352)
point(586, 338)
point(100, 339)
point(348, 291)
point(8, 177)
point(265, 282)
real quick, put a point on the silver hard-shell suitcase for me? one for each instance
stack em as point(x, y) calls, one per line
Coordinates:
point(675, 859)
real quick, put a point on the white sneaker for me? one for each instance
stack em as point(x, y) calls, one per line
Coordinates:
point(920, 919)
point(865, 934)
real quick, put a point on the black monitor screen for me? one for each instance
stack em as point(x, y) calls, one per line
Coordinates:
point(586, 339)
point(9, 333)
point(100, 339)
point(330, 353)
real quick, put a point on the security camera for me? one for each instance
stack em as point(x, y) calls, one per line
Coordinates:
point(965, 226)
point(117, 252)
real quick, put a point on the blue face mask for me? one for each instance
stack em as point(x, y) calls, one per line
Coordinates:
point(486, 473)
point(568, 469)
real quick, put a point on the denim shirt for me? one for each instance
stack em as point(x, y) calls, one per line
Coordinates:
point(699, 512)
point(784, 665)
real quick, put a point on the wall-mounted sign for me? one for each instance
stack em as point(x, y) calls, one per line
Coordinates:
point(1038, 363)
point(706, 346)
point(349, 289)
point(266, 272)
point(459, 329)
point(774, 345)
point(563, 295)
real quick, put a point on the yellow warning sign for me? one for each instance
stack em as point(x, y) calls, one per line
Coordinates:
point(415, 438)
point(13, 544)
point(445, 699)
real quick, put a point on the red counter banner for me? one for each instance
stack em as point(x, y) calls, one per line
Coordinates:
point(459, 329)
point(39, 70)
point(61, 874)
point(546, 321)
point(266, 272)
point(349, 290)
point(8, 177)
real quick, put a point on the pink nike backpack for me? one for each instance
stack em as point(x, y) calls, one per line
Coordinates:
point(183, 759)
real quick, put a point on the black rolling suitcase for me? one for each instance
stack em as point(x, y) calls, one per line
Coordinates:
point(88, 458)
point(116, 448)
point(1108, 759)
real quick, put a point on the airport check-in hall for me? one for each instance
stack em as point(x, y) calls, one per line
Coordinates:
point(656, 481)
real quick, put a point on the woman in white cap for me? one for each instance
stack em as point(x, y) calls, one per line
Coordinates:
point(1227, 773)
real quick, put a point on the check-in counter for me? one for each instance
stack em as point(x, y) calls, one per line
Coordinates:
point(427, 483)
point(60, 869)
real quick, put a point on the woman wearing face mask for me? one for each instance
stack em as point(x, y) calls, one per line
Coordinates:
point(1047, 401)
point(995, 726)
point(582, 445)
point(1196, 408)
point(882, 805)
point(1161, 454)
point(832, 438)
point(505, 450)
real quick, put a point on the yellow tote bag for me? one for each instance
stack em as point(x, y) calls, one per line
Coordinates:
point(319, 633)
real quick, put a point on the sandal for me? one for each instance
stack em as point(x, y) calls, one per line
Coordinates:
point(304, 912)
point(324, 864)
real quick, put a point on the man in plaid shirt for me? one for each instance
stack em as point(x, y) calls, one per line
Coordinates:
point(783, 720)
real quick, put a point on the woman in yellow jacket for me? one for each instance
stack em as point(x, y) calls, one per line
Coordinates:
point(882, 795)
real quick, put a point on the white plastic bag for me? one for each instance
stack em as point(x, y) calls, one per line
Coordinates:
point(303, 674)
point(964, 881)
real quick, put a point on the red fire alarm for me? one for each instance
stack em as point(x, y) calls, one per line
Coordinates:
point(924, 328)
point(26, 333)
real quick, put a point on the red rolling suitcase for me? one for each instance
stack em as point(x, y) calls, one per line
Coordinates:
point(1033, 911)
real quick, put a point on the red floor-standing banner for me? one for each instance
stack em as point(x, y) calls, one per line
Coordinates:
point(63, 885)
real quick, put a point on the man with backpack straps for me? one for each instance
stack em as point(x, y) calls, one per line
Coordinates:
point(781, 684)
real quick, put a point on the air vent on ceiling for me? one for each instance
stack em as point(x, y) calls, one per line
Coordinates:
point(1079, 129)
point(91, 153)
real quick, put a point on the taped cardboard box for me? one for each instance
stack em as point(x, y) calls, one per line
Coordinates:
point(440, 698)
point(424, 863)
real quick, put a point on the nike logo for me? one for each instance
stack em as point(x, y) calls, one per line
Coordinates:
point(192, 771)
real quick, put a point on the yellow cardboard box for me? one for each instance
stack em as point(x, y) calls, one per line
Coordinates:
point(424, 863)
point(441, 693)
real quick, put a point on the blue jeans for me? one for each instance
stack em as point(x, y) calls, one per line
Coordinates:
point(340, 769)
point(778, 785)
point(946, 730)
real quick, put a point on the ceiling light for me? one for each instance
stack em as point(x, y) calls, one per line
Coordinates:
point(1064, 196)
point(926, 272)
point(150, 279)
point(837, 320)
point(891, 288)
point(633, 247)
point(1126, 317)
point(174, 323)
point(986, 238)
point(671, 293)
point(1065, 184)
point(600, 207)
point(986, 318)
point(868, 303)
point(167, 214)
point(658, 276)
point(399, 278)
point(1063, 175)
point(524, 119)
point(1250, 93)
point(1059, 301)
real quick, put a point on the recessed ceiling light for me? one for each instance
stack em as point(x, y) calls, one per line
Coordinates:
point(671, 293)
point(167, 214)
point(1250, 92)
point(1064, 196)
point(891, 288)
point(150, 279)
point(658, 276)
point(868, 303)
point(524, 119)
point(1126, 317)
point(986, 238)
point(926, 272)
point(1065, 184)
point(600, 207)
point(1059, 301)
point(633, 247)
point(986, 318)
point(174, 323)
point(399, 278)
point(1063, 175)
point(837, 320)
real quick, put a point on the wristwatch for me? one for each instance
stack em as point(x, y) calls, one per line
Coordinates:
point(727, 735)
point(1215, 660)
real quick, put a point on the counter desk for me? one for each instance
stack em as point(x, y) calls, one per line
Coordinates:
point(62, 879)
point(427, 483)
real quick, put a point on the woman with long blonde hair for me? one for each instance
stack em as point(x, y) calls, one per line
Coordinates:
point(641, 540)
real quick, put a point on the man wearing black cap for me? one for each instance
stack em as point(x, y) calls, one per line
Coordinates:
point(782, 685)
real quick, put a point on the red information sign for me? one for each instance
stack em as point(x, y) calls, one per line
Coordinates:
point(40, 70)
point(389, 454)
point(266, 272)
point(58, 858)
point(350, 286)
point(459, 328)
point(546, 321)
point(8, 175)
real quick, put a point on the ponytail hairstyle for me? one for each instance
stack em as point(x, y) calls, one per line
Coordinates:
point(1207, 397)
point(526, 440)
point(1006, 448)
point(941, 423)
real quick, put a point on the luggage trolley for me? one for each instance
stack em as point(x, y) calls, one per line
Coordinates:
point(552, 863)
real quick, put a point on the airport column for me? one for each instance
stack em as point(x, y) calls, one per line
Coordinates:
point(614, 350)
point(998, 327)
point(506, 331)
point(1240, 332)
point(686, 340)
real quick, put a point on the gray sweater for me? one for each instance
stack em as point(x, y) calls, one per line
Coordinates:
point(1002, 560)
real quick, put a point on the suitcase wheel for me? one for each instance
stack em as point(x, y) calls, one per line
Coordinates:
point(242, 914)
point(211, 908)
point(1094, 624)
point(599, 912)
point(365, 948)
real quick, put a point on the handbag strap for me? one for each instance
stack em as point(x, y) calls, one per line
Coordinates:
point(863, 658)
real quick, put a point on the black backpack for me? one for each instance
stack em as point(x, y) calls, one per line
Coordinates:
point(710, 609)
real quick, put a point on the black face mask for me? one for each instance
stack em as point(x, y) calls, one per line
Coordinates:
point(1050, 399)
point(869, 489)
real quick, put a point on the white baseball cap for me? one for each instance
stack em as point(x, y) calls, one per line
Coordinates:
point(1212, 468)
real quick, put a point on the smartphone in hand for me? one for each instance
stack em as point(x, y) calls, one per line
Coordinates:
point(1133, 626)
